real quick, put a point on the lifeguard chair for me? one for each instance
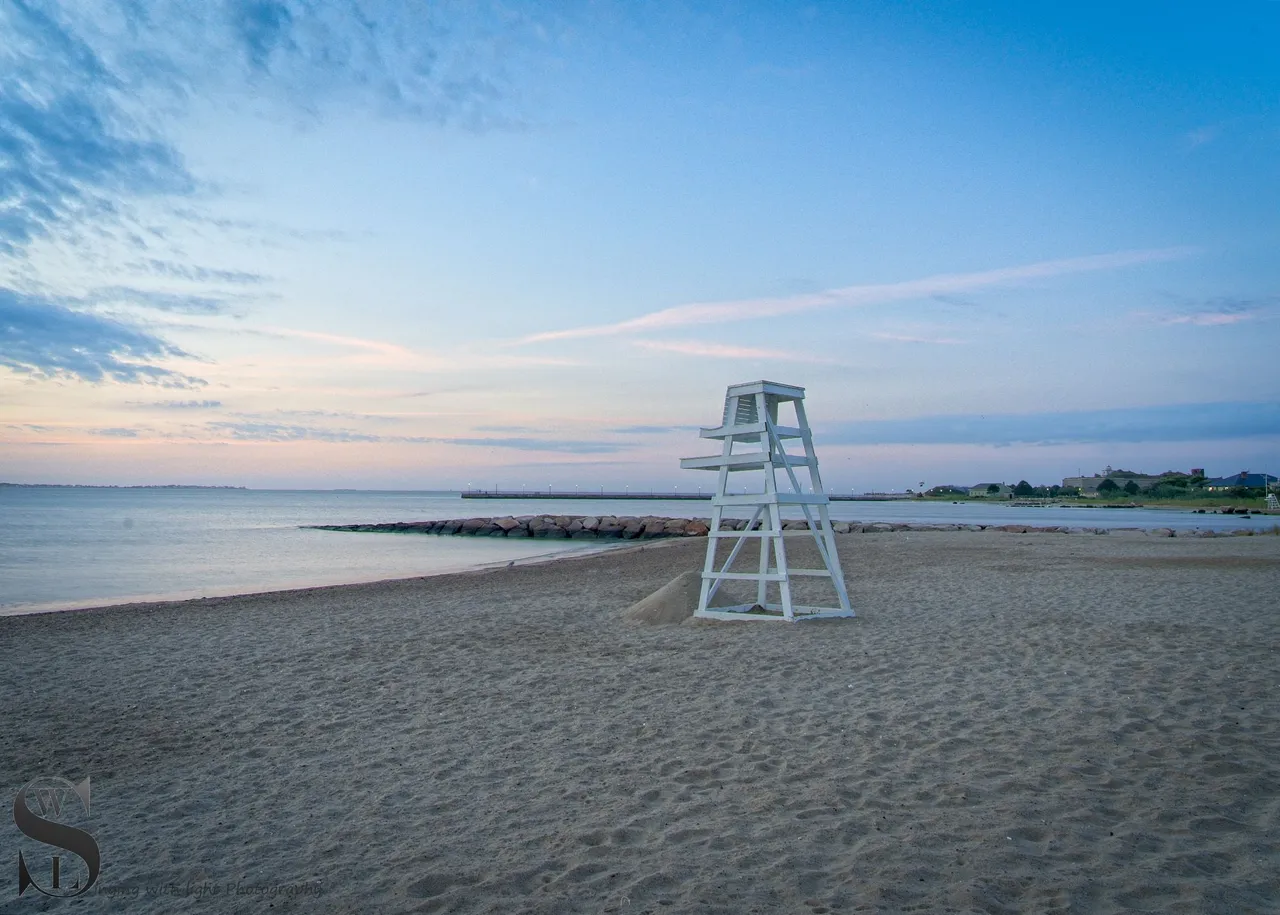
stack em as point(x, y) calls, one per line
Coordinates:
point(751, 418)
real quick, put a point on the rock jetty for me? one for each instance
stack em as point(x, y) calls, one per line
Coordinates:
point(611, 527)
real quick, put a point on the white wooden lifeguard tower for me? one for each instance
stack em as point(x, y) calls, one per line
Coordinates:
point(751, 418)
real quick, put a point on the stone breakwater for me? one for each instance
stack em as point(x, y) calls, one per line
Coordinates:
point(610, 527)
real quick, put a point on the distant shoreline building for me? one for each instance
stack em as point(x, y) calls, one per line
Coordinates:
point(1088, 486)
point(984, 491)
point(1243, 479)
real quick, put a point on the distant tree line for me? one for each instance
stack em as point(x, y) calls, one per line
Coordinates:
point(1025, 490)
point(1171, 485)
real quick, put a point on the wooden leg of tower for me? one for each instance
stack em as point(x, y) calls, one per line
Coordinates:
point(780, 548)
point(762, 586)
point(833, 559)
point(709, 585)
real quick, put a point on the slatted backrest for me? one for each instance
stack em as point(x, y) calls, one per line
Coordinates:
point(741, 410)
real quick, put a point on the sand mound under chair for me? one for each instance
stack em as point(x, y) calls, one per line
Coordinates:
point(675, 602)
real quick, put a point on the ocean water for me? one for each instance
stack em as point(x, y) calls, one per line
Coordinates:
point(63, 548)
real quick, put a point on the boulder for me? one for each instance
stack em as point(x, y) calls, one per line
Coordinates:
point(696, 529)
point(590, 524)
point(507, 524)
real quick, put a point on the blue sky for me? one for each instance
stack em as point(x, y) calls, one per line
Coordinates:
point(409, 245)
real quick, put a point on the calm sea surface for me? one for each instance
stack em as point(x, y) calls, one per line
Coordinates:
point(62, 548)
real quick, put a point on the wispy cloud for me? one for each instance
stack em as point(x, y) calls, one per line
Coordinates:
point(250, 431)
point(721, 350)
point(264, 431)
point(1163, 423)
point(47, 340)
point(71, 150)
point(382, 347)
point(1208, 318)
point(1214, 313)
point(194, 273)
point(89, 90)
point(115, 433)
point(176, 404)
point(535, 444)
point(320, 414)
point(651, 430)
point(912, 338)
point(175, 302)
point(854, 296)
point(385, 354)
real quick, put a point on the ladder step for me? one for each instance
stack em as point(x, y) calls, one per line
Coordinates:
point(745, 576)
point(750, 432)
point(768, 576)
point(747, 460)
point(724, 535)
point(752, 499)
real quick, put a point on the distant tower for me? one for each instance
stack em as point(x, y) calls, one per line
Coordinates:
point(751, 418)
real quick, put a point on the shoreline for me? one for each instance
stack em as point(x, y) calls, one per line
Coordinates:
point(611, 545)
point(179, 598)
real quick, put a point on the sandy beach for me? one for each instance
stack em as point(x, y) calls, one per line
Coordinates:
point(1014, 723)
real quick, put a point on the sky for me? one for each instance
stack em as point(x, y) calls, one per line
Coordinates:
point(432, 246)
